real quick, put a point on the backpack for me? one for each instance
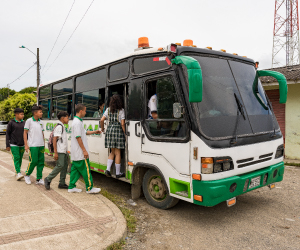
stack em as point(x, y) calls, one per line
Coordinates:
point(50, 141)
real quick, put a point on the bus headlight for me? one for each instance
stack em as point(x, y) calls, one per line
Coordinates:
point(207, 165)
point(279, 151)
point(211, 165)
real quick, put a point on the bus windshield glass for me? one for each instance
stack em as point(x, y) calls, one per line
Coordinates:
point(225, 81)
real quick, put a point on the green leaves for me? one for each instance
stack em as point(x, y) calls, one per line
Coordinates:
point(23, 101)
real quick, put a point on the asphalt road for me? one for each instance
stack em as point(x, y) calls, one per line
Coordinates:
point(261, 219)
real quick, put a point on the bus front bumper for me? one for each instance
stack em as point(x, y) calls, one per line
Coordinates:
point(215, 192)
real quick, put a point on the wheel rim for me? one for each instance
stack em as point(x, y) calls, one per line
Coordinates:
point(157, 188)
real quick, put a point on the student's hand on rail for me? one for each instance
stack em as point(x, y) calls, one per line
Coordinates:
point(8, 148)
point(85, 154)
point(56, 156)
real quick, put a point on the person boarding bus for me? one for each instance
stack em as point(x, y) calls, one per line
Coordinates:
point(114, 137)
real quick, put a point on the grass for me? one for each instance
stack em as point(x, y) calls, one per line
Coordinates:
point(292, 164)
point(117, 245)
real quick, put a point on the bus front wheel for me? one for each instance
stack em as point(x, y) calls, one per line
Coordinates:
point(156, 192)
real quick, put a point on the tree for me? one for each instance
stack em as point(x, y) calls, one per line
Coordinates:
point(4, 93)
point(28, 90)
point(24, 101)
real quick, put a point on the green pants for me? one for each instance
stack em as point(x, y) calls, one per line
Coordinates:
point(17, 155)
point(81, 168)
point(36, 159)
point(61, 167)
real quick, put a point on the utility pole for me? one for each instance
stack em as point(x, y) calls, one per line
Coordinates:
point(37, 71)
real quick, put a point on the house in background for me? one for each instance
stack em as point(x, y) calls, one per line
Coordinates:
point(288, 115)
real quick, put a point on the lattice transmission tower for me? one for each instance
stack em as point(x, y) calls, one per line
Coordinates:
point(286, 33)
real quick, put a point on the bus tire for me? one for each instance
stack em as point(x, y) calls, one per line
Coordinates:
point(156, 192)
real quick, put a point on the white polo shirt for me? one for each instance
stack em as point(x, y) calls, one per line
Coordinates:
point(62, 143)
point(35, 132)
point(152, 106)
point(78, 131)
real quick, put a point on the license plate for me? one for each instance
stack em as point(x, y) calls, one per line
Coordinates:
point(4, 130)
point(254, 182)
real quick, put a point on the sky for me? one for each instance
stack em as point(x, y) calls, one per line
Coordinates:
point(110, 30)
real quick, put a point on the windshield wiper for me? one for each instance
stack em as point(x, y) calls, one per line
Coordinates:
point(240, 110)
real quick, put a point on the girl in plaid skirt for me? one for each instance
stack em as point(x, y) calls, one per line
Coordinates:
point(114, 137)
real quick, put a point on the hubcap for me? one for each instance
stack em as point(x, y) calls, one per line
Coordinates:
point(157, 188)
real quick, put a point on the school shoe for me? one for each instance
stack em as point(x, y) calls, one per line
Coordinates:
point(19, 176)
point(64, 186)
point(120, 175)
point(94, 191)
point(40, 182)
point(74, 190)
point(47, 183)
point(27, 179)
point(107, 173)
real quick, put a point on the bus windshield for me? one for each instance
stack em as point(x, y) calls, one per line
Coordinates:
point(225, 81)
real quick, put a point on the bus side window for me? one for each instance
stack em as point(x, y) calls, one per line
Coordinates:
point(91, 100)
point(161, 96)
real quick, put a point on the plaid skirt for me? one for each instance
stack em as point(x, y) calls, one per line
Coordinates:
point(114, 137)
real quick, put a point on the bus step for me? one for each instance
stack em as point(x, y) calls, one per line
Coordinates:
point(183, 193)
point(121, 179)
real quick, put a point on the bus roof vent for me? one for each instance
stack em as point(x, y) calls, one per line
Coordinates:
point(143, 43)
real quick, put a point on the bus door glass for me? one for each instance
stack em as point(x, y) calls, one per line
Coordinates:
point(162, 133)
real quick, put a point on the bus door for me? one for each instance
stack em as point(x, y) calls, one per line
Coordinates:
point(120, 89)
point(163, 136)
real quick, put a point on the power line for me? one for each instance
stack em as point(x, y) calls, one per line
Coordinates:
point(71, 35)
point(58, 35)
point(8, 85)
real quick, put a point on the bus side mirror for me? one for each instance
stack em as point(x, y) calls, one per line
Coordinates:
point(177, 110)
point(194, 76)
point(283, 88)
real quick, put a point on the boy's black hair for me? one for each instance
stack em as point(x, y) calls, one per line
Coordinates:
point(79, 107)
point(36, 108)
point(62, 114)
point(18, 111)
point(101, 102)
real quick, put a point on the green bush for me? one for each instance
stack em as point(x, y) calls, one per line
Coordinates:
point(24, 101)
point(28, 90)
point(4, 93)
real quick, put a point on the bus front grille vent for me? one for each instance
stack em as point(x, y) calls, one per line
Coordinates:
point(254, 162)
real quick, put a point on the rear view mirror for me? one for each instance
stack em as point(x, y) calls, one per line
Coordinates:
point(176, 110)
point(194, 76)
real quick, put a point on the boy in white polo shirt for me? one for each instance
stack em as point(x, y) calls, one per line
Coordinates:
point(35, 144)
point(60, 145)
point(80, 154)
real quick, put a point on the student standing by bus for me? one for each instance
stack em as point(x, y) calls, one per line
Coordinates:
point(14, 140)
point(60, 145)
point(114, 137)
point(80, 154)
point(35, 145)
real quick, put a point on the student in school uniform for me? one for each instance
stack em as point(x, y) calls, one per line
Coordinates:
point(14, 140)
point(80, 154)
point(60, 145)
point(114, 137)
point(35, 145)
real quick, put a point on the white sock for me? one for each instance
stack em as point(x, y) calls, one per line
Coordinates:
point(109, 163)
point(118, 167)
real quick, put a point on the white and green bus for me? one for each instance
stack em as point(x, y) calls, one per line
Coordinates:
point(215, 137)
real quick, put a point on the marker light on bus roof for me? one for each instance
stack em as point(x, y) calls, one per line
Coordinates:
point(223, 50)
point(209, 48)
point(160, 49)
point(194, 46)
point(143, 42)
point(188, 42)
point(256, 64)
point(245, 56)
point(235, 54)
point(178, 44)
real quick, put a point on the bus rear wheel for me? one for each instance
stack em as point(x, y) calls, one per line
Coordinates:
point(156, 192)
